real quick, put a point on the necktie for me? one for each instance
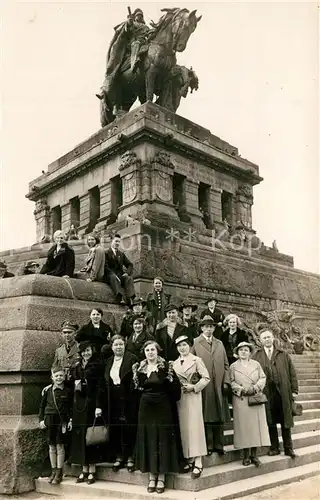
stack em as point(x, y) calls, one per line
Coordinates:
point(181, 361)
point(270, 353)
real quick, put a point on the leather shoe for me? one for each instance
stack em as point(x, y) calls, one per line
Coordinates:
point(273, 453)
point(255, 461)
point(151, 489)
point(220, 452)
point(290, 453)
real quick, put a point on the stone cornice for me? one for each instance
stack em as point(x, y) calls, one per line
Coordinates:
point(150, 122)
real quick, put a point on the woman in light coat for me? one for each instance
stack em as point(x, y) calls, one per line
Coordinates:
point(249, 422)
point(193, 377)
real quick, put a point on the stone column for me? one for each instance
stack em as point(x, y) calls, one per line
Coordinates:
point(84, 213)
point(244, 201)
point(42, 216)
point(66, 217)
point(192, 203)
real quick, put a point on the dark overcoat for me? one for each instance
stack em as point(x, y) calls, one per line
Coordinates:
point(136, 347)
point(167, 344)
point(217, 317)
point(287, 382)
point(126, 328)
point(192, 328)
point(91, 396)
point(98, 336)
point(241, 336)
point(215, 403)
point(116, 264)
point(157, 312)
point(61, 263)
point(125, 409)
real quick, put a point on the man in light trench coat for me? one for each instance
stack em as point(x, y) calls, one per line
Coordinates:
point(214, 395)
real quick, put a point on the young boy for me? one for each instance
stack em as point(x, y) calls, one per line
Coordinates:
point(55, 417)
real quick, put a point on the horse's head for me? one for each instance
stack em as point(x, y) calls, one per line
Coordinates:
point(183, 24)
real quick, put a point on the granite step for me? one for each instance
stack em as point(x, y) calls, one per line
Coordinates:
point(307, 396)
point(311, 404)
point(308, 414)
point(308, 382)
point(307, 376)
point(308, 388)
point(301, 441)
point(223, 482)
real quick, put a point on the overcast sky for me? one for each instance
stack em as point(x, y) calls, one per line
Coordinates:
point(257, 65)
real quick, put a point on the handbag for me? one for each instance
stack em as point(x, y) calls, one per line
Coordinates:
point(257, 399)
point(297, 409)
point(195, 377)
point(97, 434)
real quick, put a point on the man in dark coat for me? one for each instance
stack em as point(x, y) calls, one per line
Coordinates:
point(188, 319)
point(60, 259)
point(157, 300)
point(168, 331)
point(214, 313)
point(121, 282)
point(281, 389)
point(3, 271)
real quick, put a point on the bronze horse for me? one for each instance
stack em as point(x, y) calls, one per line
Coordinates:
point(156, 73)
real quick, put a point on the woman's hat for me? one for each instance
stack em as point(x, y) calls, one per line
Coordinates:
point(138, 317)
point(138, 300)
point(185, 303)
point(182, 338)
point(84, 344)
point(213, 297)
point(243, 344)
point(207, 320)
point(170, 307)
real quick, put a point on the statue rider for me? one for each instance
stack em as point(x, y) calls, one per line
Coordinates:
point(127, 46)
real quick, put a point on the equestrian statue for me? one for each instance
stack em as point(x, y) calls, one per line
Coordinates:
point(141, 63)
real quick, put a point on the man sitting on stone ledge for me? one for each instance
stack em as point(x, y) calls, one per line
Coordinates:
point(60, 259)
point(119, 281)
point(3, 271)
point(95, 261)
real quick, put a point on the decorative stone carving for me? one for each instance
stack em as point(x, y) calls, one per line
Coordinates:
point(129, 183)
point(163, 158)
point(289, 336)
point(163, 186)
point(245, 190)
point(128, 159)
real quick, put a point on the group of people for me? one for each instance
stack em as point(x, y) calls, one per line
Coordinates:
point(163, 386)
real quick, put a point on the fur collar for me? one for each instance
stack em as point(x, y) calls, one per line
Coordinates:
point(141, 367)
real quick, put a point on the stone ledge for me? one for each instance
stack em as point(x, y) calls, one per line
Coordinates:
point(51, 286)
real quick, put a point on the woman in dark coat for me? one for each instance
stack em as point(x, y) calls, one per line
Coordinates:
point(158, 441)
point(138, 337)
point(97, 332)
point(232, 336)
point(60, 259)
point(157, 300)
point(168, 331)
point(214, 313)
point(122, 403)
point(87, 377)
point(136, 309)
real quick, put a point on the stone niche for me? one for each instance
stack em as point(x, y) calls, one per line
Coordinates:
point(32, 309)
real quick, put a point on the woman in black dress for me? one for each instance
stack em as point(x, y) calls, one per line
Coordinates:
point(232, 336)
point(87, 377)
point(158, 440)
point(122, 403)
point(97, 332)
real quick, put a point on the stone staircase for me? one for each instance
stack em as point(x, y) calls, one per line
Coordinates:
point(225, 477)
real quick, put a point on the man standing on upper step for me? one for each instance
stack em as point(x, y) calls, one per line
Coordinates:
point(120, 281)
point(281, 389)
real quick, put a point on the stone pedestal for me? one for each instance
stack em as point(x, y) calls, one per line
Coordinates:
point(32, 309)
